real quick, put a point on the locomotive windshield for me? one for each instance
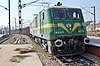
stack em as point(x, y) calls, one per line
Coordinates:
point(58, 13)
point(73, 13)
point(70, 13)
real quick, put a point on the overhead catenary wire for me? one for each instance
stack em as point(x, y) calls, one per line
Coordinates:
point(91, 2)
point(86, 10)
point(4, 7)
point(2, 13)
point(27, 4)
point(39, 4)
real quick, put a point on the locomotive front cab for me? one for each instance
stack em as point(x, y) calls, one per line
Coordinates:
point(68, 21)
point(69, 31)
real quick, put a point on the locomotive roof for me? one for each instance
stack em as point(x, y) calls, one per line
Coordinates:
point(61, 7)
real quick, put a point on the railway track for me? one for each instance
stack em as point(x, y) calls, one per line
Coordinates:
point(17, 41)
point(4, 38)
point(77, 60)
point(20, 40)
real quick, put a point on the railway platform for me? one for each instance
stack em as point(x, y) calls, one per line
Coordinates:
point(95, 41)
point(94, 46)
point(7, 52)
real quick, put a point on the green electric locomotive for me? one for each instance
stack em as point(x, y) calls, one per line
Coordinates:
point(60, 30)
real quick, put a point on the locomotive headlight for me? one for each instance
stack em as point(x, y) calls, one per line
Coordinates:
point(58, 43)
point(86, 40)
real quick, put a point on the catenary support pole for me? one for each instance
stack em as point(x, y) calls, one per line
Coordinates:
point(9, 16)
point(20, 23)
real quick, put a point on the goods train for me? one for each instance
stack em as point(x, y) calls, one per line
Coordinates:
point(25, 31)
point(60, 30)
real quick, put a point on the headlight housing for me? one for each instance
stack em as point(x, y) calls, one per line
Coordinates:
point(86, 40)
point(58, 43)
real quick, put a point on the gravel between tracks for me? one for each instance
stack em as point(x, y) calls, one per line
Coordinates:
point(46, 59)
point(93, 58)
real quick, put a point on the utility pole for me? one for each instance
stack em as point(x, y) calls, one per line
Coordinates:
point(20, 24)
point(94, 21)
point(19, 9)
point(9, 17)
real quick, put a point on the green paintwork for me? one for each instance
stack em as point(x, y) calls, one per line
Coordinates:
point(48, 19)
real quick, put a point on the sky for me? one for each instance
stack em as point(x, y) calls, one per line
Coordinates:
point(29, 11)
